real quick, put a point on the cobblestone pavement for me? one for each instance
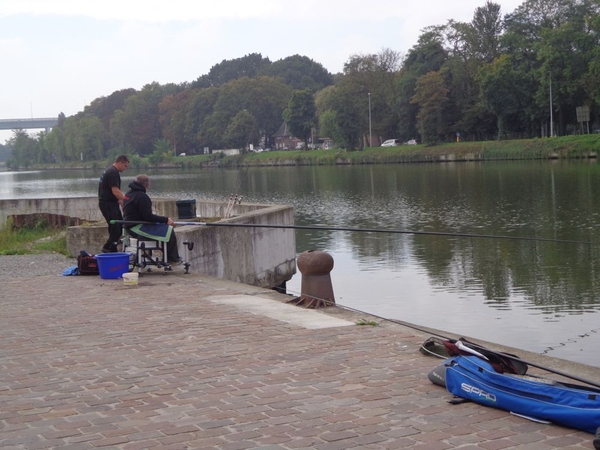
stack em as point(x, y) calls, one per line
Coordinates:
point(87, 363)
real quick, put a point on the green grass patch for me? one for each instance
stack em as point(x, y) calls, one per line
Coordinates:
point(39, 239)
point(364, 322)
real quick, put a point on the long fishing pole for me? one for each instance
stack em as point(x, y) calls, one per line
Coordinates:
point(378, 230)
point(362, 230)
point(499, 353)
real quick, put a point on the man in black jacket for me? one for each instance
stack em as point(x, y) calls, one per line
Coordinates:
point(110, 200)
point(137, 207)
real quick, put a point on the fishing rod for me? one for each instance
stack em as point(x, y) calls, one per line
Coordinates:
point(362, 230)
point(377, 230)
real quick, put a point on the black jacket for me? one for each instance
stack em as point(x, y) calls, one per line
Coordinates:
point(138, 206)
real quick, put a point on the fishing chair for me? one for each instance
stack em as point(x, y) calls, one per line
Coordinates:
point(145, 252)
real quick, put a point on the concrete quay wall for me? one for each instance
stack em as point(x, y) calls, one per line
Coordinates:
point(84, 208)
point(255, 256)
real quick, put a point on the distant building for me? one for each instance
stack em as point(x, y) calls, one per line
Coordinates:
point(284, 140)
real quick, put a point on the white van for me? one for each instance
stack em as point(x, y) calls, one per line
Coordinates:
point(391, 143)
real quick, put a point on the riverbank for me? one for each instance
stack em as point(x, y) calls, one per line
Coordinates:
point(567, 147)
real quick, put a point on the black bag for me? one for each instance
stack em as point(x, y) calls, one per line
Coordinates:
point(87, 264)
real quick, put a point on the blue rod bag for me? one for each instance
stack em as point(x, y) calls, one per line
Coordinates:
point(573, 406)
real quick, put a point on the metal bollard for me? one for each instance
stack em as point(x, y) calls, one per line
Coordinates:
point(317, 290)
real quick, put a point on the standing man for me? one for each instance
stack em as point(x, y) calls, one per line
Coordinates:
point(110, 200)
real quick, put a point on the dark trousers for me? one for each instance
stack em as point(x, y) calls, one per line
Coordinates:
point(172, 250)
point(112, 211)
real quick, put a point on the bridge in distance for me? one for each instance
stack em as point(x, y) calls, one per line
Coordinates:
point(27, 124)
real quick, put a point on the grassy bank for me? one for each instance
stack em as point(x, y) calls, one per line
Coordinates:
point(584, 146)
point(39, 239)
point(563, 147)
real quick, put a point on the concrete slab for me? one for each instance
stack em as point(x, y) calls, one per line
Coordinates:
point(306, 318)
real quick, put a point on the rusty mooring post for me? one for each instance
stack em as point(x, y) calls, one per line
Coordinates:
point(317, 291)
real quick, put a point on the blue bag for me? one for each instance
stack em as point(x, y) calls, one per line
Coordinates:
point(542, 399)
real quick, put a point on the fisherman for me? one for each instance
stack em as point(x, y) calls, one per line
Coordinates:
point(138, 208)
point(110, 201)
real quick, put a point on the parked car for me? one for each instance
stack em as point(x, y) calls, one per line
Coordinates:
point(391, 143)
point(412, 142)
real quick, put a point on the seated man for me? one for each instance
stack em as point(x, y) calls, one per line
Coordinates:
point(137, 207)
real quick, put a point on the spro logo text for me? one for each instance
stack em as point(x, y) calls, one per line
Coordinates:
point(478, 392)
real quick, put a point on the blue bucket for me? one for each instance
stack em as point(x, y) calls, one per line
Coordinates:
point(112, 265)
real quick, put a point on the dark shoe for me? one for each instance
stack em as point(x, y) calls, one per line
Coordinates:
point(176, 262)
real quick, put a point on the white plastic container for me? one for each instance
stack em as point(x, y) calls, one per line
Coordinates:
point(130, 278)
point(131, 247)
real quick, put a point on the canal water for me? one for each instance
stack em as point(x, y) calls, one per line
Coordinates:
point(539, 295)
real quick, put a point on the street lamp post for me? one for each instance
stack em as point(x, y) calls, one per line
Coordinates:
point(370, 141)
point(551, 116)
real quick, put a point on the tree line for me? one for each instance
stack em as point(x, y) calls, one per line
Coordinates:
point(496, 77)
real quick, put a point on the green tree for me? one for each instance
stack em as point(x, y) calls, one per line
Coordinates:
point(300, 115)
point(164, 148)
point(426, 56)
point(230, 70)
point(173, 120)
point(375, 77)
point(137, 125)
point(348, 119)
point(55, 143)
point(487, 27)
point(79, 137)
point(565, 53)
point(299, 72)
point(104, 107)
point(591, 80)
point(241, 130)
point(197, 118)
point(501, 93)
point(469, 46)
point(43, 156)
point(431, 96)
point(328, 124)
point(551, 37)
point(4, 152)
point(325, 115)
point(264, 97)
point(24, 150)
point(91, 137)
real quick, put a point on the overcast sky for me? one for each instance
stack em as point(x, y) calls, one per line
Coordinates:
point(59, 55)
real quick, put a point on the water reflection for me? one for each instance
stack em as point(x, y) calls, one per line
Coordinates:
point(535, 295)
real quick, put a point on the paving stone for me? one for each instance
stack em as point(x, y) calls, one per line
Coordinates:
point(161, 366)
